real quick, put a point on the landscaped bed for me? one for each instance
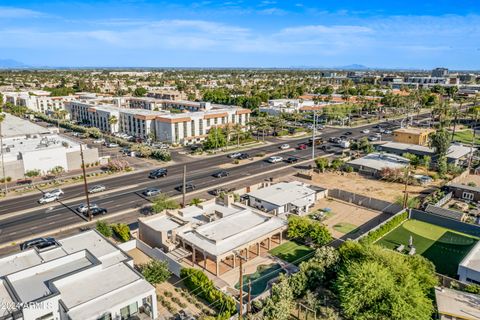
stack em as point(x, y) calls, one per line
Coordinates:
point(444, 247)
point(291, 251)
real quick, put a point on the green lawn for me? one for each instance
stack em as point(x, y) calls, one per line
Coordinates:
point(291, 251)
point(345, 227)
point(444, 247)
point(465, 136)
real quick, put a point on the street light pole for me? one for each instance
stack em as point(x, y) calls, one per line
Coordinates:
point(3, 159)
point(313, 135)
point(184, 187)
point(85, 187)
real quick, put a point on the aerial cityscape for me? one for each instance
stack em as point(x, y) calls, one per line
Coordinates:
point(239, 160)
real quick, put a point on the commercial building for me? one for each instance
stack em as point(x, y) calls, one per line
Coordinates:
point(469, 268)
point(457, 305)
point(418, 136)
point(38, 100)
point(278, 106)
point(212, 233)
point(27, 146)
point(374, 163)
point(440, 72)
point(84, 277)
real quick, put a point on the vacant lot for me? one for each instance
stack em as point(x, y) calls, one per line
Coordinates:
point(291, 251)
point(444, 247)
point(344, 218)
point(363, 185)
point(471, 178)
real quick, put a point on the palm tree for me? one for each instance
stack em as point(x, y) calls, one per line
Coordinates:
point(228, 132)
point(238, 133)
point(112, 121)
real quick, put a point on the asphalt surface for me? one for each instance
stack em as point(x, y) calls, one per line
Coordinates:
point(23, 217)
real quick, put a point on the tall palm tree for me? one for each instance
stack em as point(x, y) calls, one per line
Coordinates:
point(238, 132)
point(112, 121)
point(228, 132)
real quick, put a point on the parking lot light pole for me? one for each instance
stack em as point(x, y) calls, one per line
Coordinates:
point(313, 135)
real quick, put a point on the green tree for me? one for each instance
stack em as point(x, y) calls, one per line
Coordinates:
point(33, 173)
point(163, 202)
point(215, 139)
point(93, 132)
point(321, 163)
point(121, 231)
point(195, 202)
point(279, 304)
point(139, 92)
point(440, 141)
point(155, 271)
point(103, 227)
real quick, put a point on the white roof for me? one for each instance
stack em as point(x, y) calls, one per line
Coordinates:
point(455, 151)
point(457, 304)
point(282, 193)
point(229, 233)
point(472, 259)
point(378, 161)
point(163, 223)
point(14, 126)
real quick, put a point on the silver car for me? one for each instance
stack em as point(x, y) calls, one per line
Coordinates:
point(97, 188)
point(82, 208)
point(47, 198)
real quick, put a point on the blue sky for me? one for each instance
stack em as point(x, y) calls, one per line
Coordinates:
point(236, 33)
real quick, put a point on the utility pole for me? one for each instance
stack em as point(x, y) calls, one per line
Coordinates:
point(240, 311)
point(249, 303)
point(85, 187)
point(313, 135)
point(405, 195)
point(184, 186)
point(3, 160)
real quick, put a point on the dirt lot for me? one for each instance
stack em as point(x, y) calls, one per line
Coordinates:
point(344, 213)
point(363, 185)
point(470, 178)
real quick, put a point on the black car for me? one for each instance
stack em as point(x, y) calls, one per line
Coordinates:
point(221, 174)
point(189, 186)
point(39, 243)
point(243, 156)
point(159, 173)
point(291, 159)
point(217, 192)
point(150, 192)
point(96, 211)
point(325, 147)
point(348, 133)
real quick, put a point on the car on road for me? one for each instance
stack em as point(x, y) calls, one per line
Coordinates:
point(302, 146)
point(348, 133)
point(387, 132)
point(243, 156)
point(82, 208)
point(221, 174)
point(99, 141)
point(47, 198)
point(96, 211)
point(372, 138)
point(284, 146)
point(158, 173)
point(218, 191)
point(112, 145)
point(326, 147)
point(275, 159)
point(39, 243)
point(365, 131)
point(189, 186)
point(235, 155)
point(151, 192)
point(55, 192)
point(97, 188)
point(291, 159)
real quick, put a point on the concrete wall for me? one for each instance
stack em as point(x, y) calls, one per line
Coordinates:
point(155, 253)
point(364, 201)
point(456, 225)
point(74, 160)
point(13, 169)
point(45, 159)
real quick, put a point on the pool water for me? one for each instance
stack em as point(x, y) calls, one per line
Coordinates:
point(260, 278)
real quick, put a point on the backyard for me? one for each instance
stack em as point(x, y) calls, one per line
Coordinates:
point(444, 247)
point(291, 251)
point(466, 136)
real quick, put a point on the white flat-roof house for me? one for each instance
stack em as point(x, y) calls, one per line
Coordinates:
point(373, 163)
point(85, 277)
point(278, 106)
point(283, 197)
point(469, 268)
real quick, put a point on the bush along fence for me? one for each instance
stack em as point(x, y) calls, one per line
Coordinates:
point(384, 228)
point(197, 281)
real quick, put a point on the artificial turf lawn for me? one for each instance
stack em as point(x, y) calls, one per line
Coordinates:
point(345, 227)
point(444, 247)
point(465, 136)
point(291, 252)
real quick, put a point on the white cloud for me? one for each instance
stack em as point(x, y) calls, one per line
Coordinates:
point(12, 12)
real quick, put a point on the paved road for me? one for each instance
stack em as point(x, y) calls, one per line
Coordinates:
point(124, 192)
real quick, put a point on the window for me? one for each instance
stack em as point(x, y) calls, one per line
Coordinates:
point(192, 125)
point(48, 316)
point(176, 131)
point(208, 122)
point(467, 196)
point(233, 118)
point(185, 130)
point(128, 311)
point(200, 126)
point(105, 316)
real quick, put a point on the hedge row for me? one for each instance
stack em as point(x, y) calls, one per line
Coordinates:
point(376, 234)
point(198, 282)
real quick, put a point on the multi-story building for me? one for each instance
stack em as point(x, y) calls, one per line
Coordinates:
point(99, 116)
point(440, 72)
point(38, 101)
point(83, 277)
point(145, 103)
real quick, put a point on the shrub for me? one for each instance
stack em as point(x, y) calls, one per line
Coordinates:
point(163, 202)
point(155, 272)
point(197, 281)
point(472, 288)
point(348, 169)
point(104, 228)
point(306, 229)
point(374, 235)
point(161, 154)
point(122, 231)
point(167, 293)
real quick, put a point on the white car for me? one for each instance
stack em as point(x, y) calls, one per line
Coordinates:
point(275, 159)
point(284, 146)
point(55, 192)
point(365, 131)
point(97, 188)
point(235, 155)
point(47, 198)
point(99, 141)
point(112, 145)
point(82, 208)
point(372, 138)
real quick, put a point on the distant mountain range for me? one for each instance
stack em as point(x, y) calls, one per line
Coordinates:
point(10, 63)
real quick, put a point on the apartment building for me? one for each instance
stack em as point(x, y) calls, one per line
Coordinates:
point(83, 277)
point(98, 116)
point(139, 123)
point(38, 101)
point(145, 103)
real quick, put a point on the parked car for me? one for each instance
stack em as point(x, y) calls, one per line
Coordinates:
point(284, 146)
point(292, 159)
point(47, 198)
point(387, 132)
point(221, 174)
point(275, 159)
point(302, 146)
point(39, 243)
point(365, 131)
point(216, 192)
point(82, 208)
point(235, 155)
point(99, 141)
point(150, 192)
point(96, 211)
point(189, 186)
point(97, 188)
point(158, 173)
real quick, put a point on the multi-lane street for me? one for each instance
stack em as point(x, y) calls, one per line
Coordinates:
point(23, 217)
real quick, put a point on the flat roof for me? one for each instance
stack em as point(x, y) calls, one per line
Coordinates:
point(282, 193)
point(163, 223)
point(472, 259)
point(458, 304)
point(412, 130)
point(455, 151)
point(14, 126)
point(378, 161)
